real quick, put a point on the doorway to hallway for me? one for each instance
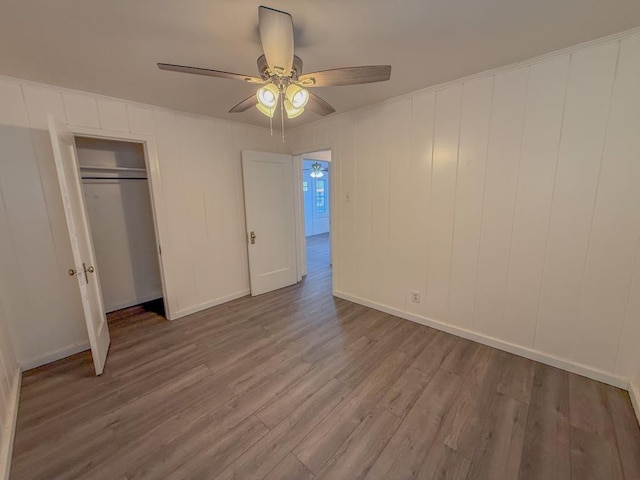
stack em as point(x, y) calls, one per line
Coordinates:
point(316, 178)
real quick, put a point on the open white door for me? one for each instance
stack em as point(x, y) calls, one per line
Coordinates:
point(64, 153)
point(269, 208)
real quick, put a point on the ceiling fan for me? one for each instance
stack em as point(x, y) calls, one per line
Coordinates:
point(281, 78)
point(316, 170)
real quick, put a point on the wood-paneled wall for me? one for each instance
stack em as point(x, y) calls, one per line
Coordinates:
point(201, 230)
point(510, 201)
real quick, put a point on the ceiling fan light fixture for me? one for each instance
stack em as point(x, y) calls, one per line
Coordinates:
point(316, 171)
point(268, 96)
point(297, 95)
point(291, 110)
point(269, 112)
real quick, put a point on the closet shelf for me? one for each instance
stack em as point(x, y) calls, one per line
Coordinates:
point(113, 169)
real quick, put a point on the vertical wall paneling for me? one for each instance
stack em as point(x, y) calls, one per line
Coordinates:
point(472, 157)
point(195, 174)
point(113, 115)
point(13, 131)
point(12, 112)
point(366, 134)
point(175, 244)
point(140, 120)
point(500, 190)
point(400, 220)
point(518, 207)
point(538, 160)
point(380, 165)
point(419, 184)
point(345, 208)
point(32, 241)
point(628, 360)
point(583, 131)
point(615, 227)
point(442, 201)
point(40, 102)
point(81, 110)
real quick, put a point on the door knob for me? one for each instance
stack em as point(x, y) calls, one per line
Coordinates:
point(252, 235)
point(71, 272)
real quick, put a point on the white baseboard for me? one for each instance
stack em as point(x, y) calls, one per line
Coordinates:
point(9, 431)
point(53, 356)
point(530, 353)
point(73, 349)
point(212, 303)
point(634, 394)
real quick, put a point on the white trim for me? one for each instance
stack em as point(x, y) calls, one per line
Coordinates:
point(538, 356)
point(53, 356)
point(9, 430)
point(212, 303)
point(634, 393)
point(301, 250)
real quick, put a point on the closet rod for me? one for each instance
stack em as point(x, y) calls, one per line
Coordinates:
point(114, 178)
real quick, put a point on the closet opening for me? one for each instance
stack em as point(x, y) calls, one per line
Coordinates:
point(118, 201)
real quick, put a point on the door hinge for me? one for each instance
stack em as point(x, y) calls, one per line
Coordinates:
point(159, 250)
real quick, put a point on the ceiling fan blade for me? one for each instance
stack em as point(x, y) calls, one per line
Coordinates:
point(318, 105)
point(245, 104)
point(276, 36)
point(209, 73)
point(346, 76)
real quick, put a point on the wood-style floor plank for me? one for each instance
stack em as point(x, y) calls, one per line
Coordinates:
point(403, 455)
point(442, 463)
point(290, 469)
point(627, 435)
point(500, 449)
point(295, 383)
point(547, 451)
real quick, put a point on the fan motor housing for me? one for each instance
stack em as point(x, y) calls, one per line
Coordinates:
point(263, 68)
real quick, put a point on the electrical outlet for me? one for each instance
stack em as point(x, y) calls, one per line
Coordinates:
point(415, 296)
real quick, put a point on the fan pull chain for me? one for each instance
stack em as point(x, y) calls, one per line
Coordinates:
point(282, 115)
point(271, 125)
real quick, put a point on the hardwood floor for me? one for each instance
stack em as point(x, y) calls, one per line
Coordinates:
point(297, 384)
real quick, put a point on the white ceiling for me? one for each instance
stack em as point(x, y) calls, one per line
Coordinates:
point(112, 46)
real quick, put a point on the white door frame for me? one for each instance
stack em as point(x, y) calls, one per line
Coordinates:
point(155, 188)
point(301, 242)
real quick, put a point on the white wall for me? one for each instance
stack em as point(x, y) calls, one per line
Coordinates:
point(201, 232)
point(9, 391)
point(509, 200)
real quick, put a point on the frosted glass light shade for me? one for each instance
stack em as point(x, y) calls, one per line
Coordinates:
point(266, 111)
point(292, 112)
point(268, 96)
point(297, 95)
